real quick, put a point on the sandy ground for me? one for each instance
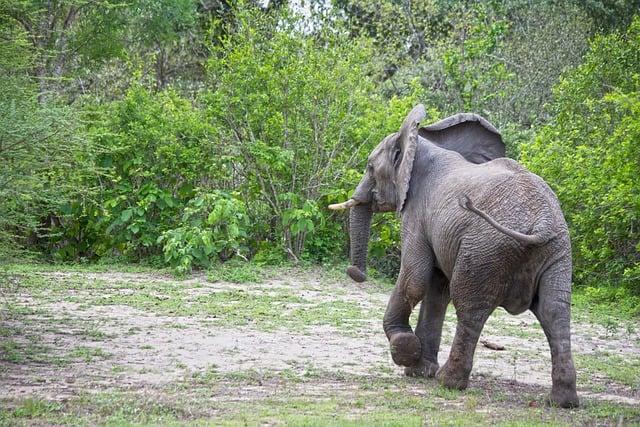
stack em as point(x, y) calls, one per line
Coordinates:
point(138, 348)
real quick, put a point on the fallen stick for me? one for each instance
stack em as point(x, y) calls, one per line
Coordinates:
point(492, 346)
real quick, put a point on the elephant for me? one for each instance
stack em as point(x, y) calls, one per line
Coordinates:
point(478, 230)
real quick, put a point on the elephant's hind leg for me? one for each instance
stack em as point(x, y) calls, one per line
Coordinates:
point(429, 327)
point(455, 372)
point(552, 307)
point(472, 296)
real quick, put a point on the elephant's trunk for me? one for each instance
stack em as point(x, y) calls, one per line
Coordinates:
point(359, 229)
point(405, 345)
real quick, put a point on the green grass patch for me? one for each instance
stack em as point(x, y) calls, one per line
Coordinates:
point(622, 370)
point(88, 354)
point(44, 267)
point(21, 351)
point(289, 398)
point(10, 351)
point(238, 272)
point(265, 309)
point(34, 408)
point(616, 412)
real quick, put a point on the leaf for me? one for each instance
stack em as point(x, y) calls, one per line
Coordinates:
point(126, 215)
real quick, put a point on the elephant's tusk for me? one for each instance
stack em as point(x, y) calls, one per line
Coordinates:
point(344, 205)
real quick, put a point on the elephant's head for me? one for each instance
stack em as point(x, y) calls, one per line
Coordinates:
point(385, 184)
point(383, 187)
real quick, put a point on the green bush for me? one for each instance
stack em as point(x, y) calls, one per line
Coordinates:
point(156, 149)
point(42, 151)
point(214, 227)
point(590, 154)
point(286, 125)
point(617, 301)
point(295, 108)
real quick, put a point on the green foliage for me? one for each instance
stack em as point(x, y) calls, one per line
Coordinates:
point(236, 271)
point(42, 150)
point(156, 150)
point(473, 81)
point(384, 244)
point(610, 14)
point(499, 59)
point(540, 43)
point(589, 154)
point(182, 133)
point(616, 300)
point(295, 109)
point(214, 227)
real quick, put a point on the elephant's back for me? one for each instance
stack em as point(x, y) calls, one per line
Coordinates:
point(512, 196)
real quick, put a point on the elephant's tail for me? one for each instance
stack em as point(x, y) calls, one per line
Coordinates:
point(527, 239)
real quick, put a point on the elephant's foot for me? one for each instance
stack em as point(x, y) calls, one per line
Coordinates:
point(424, 368)
point(405, 349)
point(564, 397)
point(451, 377)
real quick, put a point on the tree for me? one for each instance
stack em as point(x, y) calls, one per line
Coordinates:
point(61, 34)
point(610, 15)
point(589, 153)
point(80, 46)
point(292, 108)
point(41, 158)
point(541, 43)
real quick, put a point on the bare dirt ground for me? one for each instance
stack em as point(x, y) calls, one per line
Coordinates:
point(302, 347)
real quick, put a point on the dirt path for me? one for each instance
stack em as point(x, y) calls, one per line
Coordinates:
point(210, 350)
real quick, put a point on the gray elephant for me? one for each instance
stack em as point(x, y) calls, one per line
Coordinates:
point(477, 230)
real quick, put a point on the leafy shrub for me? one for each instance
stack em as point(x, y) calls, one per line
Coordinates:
point(590, 155)
point(42, 150)
point(384, 244)
point(156, 149)
point(619, 301)
point(214, 227)
point(296, 108)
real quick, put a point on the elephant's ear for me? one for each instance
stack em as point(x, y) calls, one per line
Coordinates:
point(469, 134)
point(406, 142)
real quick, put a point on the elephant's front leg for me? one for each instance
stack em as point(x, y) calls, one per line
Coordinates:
point(406, 348)
point(429, 328)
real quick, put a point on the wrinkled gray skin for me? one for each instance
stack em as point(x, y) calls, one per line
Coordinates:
point(480, 235)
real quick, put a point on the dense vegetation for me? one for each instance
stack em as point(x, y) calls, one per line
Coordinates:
point(184, 133)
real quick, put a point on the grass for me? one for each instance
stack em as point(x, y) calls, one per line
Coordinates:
point(24, 352)
point(27, 351)
point(48, 325)
point(607, 305)
point(239, 272)
point(218, 398)
point(270, 310)
point(612, 366)
point(34, 408)
point(88, 354)
point(43, 267)
point(10, 352)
